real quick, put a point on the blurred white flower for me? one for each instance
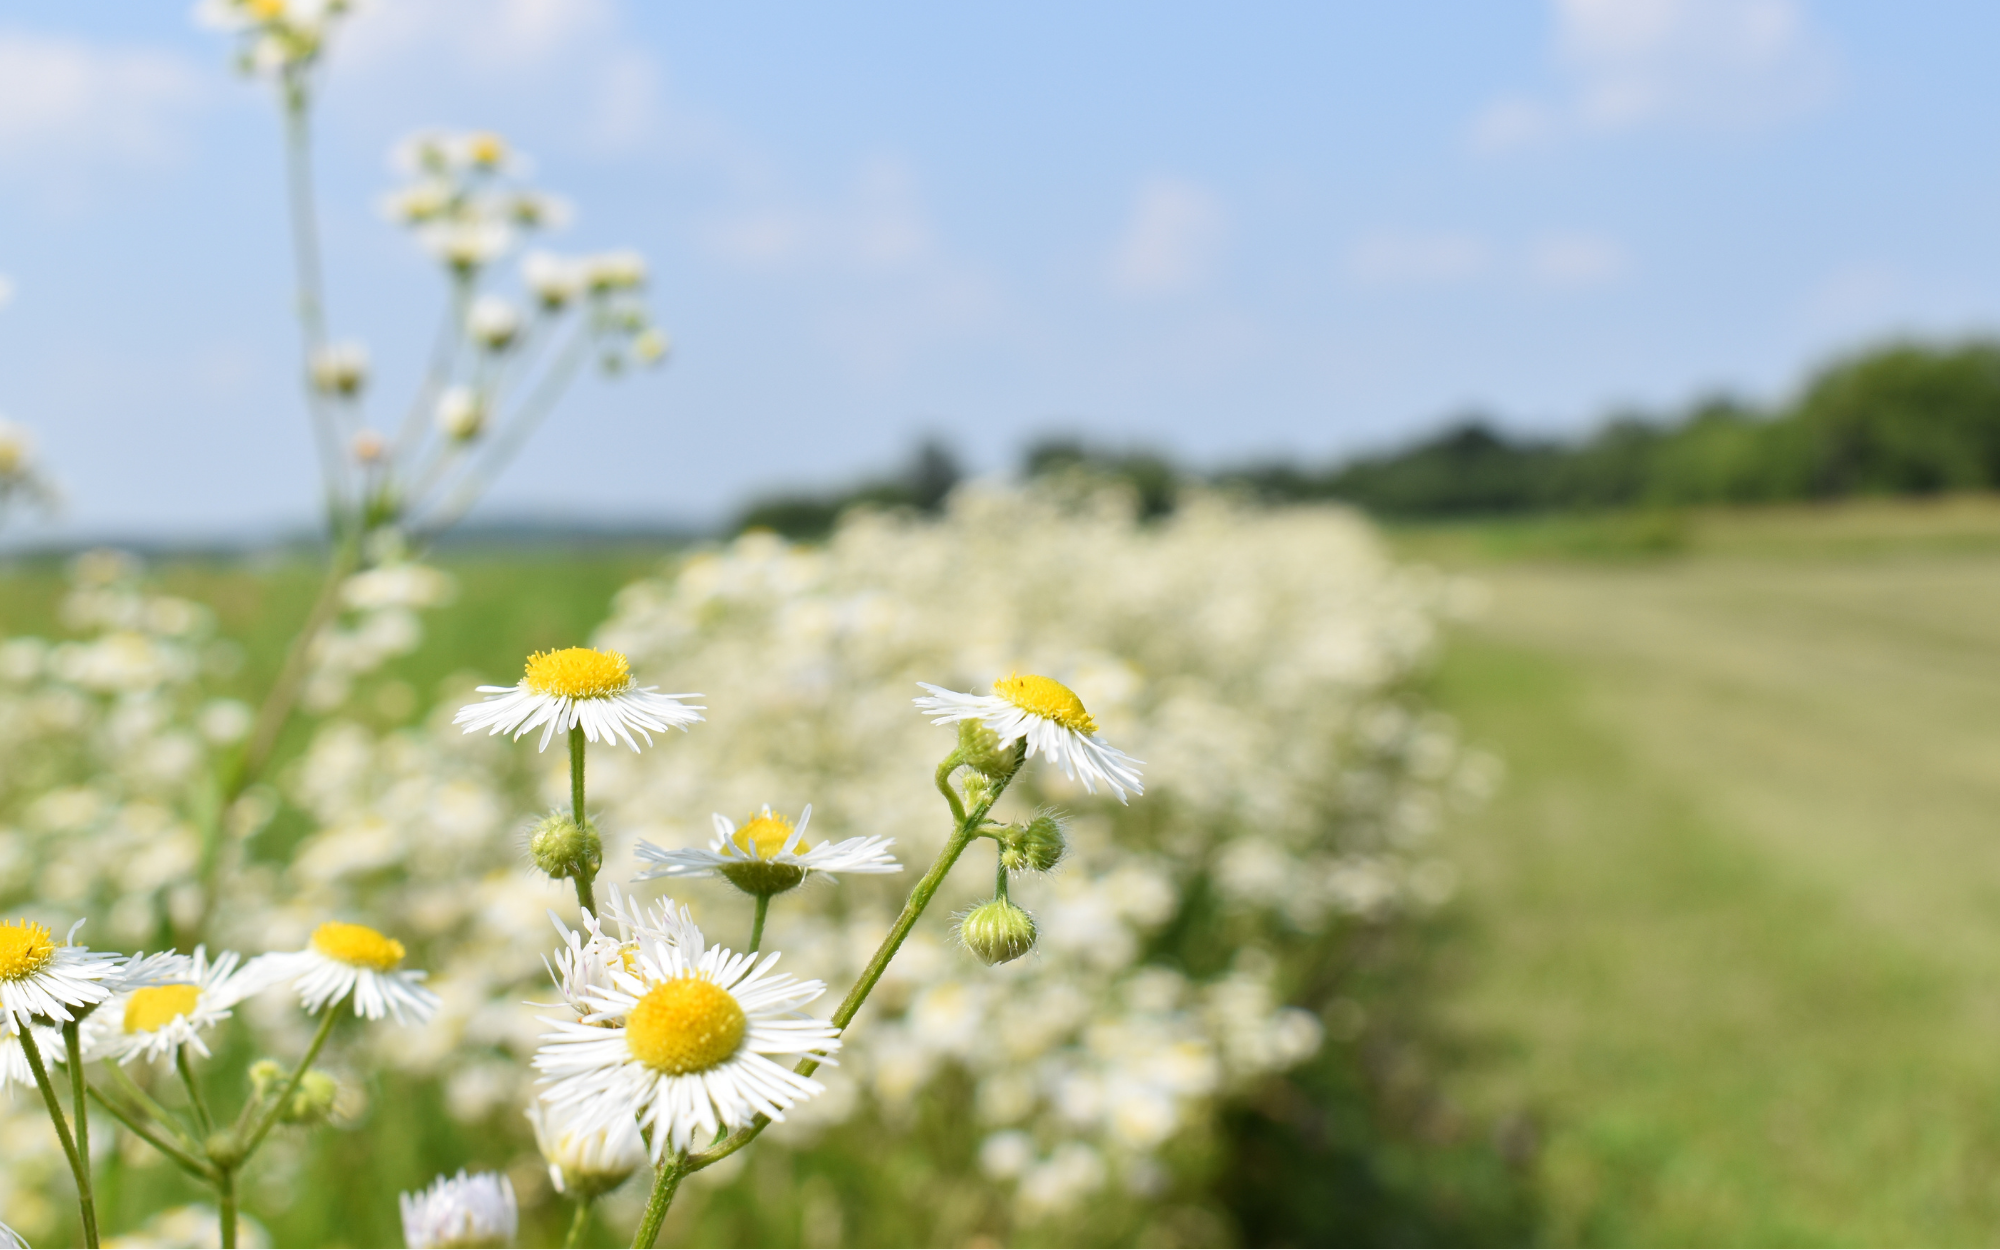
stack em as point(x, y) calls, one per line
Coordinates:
point(493, 323)
point(461, 413)
point(463, 1210)
point(343, 959)
point(584, 1163)
point(340, 369)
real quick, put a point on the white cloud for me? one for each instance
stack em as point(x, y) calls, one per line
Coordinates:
point(1564, 261)
point(65, 102)
point(482, 34)
point(1172, 241)
point(880, 225)
point(1718, 65)
point(1403, 258)
point(1575, 260)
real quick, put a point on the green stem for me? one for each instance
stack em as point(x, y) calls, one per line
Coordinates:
point(151, 1107)
point(666, 1179)
point(579, 1224)
point(201, 1118)
point(944, 787)
point(284, 1099)
point(999, 878)
point(79, 1169)
point(153, 1139)
point(225, 1196)
point(757, 925)
point(73, 1042)
point(583, 875)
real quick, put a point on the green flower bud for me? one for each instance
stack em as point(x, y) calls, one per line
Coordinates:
point(312, 1102)
point(1034, 847)
point(997, 931)
point(561, 849)
point(981, 750)
point(267, 1077)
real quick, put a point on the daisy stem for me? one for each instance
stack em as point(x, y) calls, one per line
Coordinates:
point(73, 1043)
point(666, 1179)
point(132, 1125)
point(999, 878)
point(284, 1098)
point(578, 1225)
point(201, 1118)
point(149, 1106)
point(757, 925)
point(76, 1167)
point(225, 1199)
point(582, 876)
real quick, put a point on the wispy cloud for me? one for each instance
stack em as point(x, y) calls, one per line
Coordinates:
point(66, 103)
point(1172, 241)
point(1407, 258)
point(1623, 65)
point(1567, 260)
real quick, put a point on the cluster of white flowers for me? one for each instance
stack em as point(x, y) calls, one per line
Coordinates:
point(275, 38)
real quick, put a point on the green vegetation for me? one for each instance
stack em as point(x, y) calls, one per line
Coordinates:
point(1727, 938)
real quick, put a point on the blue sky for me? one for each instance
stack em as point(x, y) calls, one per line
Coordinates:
point(1223, 231)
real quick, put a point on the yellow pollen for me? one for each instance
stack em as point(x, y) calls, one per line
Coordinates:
point(157, 1006)
point(1047, 698)
point(25, 949)
point(765, 836)
point(357, 945)
point(688, 1024)
point(578, 673)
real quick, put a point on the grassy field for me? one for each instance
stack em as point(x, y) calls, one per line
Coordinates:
point(1730, 936)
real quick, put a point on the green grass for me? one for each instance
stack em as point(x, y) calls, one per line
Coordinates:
point(1731, 933)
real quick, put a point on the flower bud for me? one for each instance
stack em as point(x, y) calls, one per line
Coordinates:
point(1034, 847)
point(997, 931)
point(982, 751)
point(312, 1102)
point(461, 413)
point(561, 849)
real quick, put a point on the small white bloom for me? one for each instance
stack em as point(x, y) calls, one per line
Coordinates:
point(350, 958)
point(493, 323)
point(585, 1163)
point(155, 1020)
point(579, 687)
point(682, 1041)
point(14, 1068)
point(1053, 720)
point(614, 271)
point(555, 280)
point(462, 1210)
point(465, 244)
point(40, 978)
point(768, 841)
point(340, 369)
point(461, 412)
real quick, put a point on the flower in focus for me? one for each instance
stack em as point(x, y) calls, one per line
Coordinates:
point(155, 1020)
point(40, 978)
point(462, 1210)
point(350, 958)
point(586, 1163)
point(579, 687)
point(1053, 720)
point(768, 855)
point(681, 1040)
point(585, 963)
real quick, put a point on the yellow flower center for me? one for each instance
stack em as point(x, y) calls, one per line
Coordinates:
point(1046, 698)
point(25, 949)
point(486, 148)
point(357, 946)
point(578, 673)
point(157, 1006)
point(765, 836)
point(266, 10)
point(688, 1024)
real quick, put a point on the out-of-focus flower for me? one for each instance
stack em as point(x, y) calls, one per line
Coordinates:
point(9, 1239)
point(614, 271)
point(650, 346)
point(156, 1020)
point(41, 977)
point(343, 959)
point(1053, 720)
point(461, 1211)
point(493, 323)
point(578, 686)
point(340, 369)
point(555, 280)
point(584, 1164)
point(688, 1055)
point(461, 413)
point(768, 855)
point(466, 245)
point(277, 36)
point(369, 447)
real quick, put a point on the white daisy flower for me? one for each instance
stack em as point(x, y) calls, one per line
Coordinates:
point(579, 686)
point(155, 1020)
point(587, 959)
point(768, 855)
point(462, 1210)
point(681, 1042)
point(1050, 716)
point(14, 1069)
point(350, 958)
point(40, 978)
point(586, 1163)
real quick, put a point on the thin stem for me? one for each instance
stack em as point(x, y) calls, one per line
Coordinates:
point(579, 1224)
point(201, 1117)
point(225, 1195)
point(147, 1104)
point(305, 261)
point(77, 1169)
point(666, 1180)
point(144, 1133)
point(944, 787)
point(999, 877)
point(284, 1099)
point(757, 925)
point(581, 875)
point(73, 1043)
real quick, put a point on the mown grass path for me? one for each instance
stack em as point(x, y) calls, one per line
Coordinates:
point(1731, 930)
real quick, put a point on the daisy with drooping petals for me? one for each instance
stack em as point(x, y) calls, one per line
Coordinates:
point(587, 959)
point(682, 1042)
point(578, 687)
point(1053, 720)
point(462, 1210)
point(768, 855)
point(38, 977)
point(585, 1164)
point(351, 958)
point(155, 1020)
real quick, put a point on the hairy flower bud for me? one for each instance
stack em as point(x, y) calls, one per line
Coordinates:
point(561, 849)
point(312, 1102)
point(1034, 847)
point(982, 751)
point(997, 931)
